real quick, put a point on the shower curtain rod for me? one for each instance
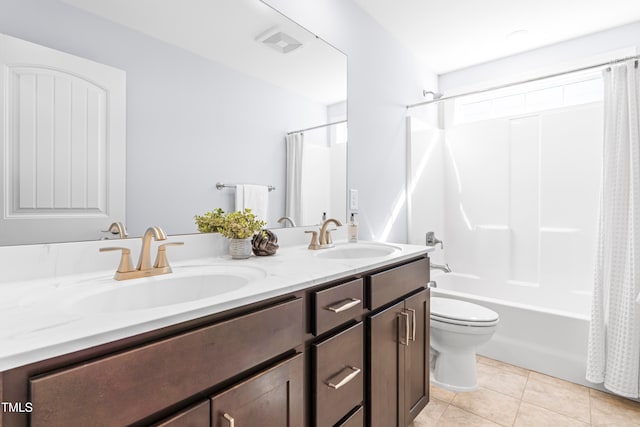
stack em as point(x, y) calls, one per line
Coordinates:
point(534, 79)
point(317, 127)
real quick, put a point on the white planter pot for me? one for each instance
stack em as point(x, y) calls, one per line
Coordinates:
point(240, 248)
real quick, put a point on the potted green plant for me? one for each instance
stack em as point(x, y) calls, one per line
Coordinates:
point(210, 222)
point(239, 227)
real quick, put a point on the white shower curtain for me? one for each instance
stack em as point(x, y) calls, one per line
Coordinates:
point(614, 336)
point(293, 197)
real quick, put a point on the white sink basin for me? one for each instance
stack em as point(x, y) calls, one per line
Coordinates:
point(357, 251)
point(185, 284)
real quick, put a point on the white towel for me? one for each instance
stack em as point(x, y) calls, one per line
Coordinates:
point(254, 197)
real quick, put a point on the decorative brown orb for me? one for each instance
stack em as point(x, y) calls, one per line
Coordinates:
point(265, 243)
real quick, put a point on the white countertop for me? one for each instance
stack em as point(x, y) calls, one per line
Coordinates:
point(38, 319)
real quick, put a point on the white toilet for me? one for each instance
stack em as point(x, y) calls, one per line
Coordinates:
point(457, 329)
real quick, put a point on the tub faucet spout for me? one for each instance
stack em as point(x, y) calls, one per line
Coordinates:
point(443, 267)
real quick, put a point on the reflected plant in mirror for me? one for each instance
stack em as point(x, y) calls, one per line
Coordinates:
point(211, 91)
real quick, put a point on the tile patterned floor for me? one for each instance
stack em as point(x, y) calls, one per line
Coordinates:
point(513, 396)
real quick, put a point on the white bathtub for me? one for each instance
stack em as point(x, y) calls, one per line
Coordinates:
point(543, 339)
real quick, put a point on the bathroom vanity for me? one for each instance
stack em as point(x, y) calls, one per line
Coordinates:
point(319, 340)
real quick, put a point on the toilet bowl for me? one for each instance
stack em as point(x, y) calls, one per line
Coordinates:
point(457, 329)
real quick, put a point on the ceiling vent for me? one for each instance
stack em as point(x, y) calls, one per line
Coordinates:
point(280, 41)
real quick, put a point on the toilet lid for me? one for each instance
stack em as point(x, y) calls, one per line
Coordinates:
point(461, 311)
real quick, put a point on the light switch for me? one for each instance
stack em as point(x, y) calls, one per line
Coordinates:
point(353, 199)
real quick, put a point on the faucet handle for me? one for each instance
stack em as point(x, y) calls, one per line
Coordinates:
point(432, 240)
point(125, 260)
point(314, 239)
point(161, 257)
point(327, 236)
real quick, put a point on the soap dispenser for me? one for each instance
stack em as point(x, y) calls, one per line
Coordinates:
point(352, 229)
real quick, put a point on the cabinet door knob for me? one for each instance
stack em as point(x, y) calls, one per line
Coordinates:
point(341, 379)
point(230, 419)
point(413, 323)
point(343, 305)
point(406, 328)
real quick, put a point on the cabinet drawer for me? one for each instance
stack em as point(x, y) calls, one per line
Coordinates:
point(196, 416)
point(338, 374)
point(128, 386)
point(272, 397)
point(336, 305)
point(354, 420)
point(392, 284)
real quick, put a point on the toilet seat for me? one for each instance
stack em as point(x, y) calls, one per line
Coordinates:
point(458, 312)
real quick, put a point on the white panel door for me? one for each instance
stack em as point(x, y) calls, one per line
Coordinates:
point(62, 129)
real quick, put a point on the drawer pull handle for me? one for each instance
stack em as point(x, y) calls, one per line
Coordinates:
point(230, 419)
point(342, 379)
point(344, 305)
point(413, 322)
point(406, 328)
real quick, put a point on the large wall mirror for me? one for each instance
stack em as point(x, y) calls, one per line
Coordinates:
point(217, 91)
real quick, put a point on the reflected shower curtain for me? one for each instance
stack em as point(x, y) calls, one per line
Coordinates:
point(293, 197)
point(614, 335)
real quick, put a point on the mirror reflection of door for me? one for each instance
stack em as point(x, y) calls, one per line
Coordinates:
point(64, 136)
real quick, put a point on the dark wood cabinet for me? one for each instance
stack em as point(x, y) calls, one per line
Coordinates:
point(398, 339)
point(158, 375)
point(338, 375)
point(195, 416)
point(336, 305)
point(416, 357)
point(354, 419)
point(271, 398)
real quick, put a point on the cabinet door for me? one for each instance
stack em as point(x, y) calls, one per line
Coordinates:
point(196, 416)
point(270, 398)
point(416, 357)
point(338, 378)
point(128, 386)
point(384, 364)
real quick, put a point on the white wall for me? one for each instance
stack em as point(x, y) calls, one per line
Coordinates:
point(383, 77)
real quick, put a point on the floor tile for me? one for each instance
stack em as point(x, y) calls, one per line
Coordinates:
point(431, 414)
point(535, 416)
point(559, 396)
point(489, 404)
point(497, 378)
point(442, 394)
point(610, 410)
point(514, 396)
point(505, 366)
point(456, 417)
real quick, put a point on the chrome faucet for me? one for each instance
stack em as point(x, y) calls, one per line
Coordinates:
point(432, 240)
point(444, 267)
point(145, 268)
point(283, 220)
point(117, 228)
point(325, 234)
